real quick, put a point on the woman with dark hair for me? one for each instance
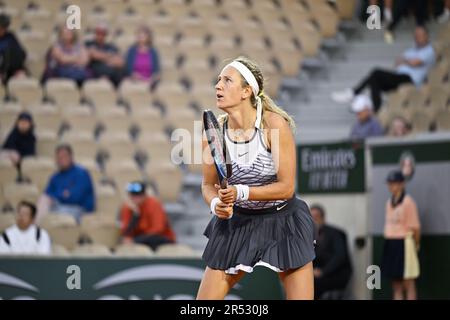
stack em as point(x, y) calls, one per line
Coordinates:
point(142, 60)
point(21, 141)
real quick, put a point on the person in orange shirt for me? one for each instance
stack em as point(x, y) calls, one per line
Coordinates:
point(143, 219)
point(402, 238)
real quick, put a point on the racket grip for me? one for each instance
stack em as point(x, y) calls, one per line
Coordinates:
point(224, 183)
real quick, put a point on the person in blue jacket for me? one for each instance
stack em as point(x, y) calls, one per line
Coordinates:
point(70, 190)
point(142, 59)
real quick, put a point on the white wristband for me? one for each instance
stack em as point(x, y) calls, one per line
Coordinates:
point(242, 191)
point(212, 205)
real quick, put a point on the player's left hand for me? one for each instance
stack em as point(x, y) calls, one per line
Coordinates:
point(227, 195)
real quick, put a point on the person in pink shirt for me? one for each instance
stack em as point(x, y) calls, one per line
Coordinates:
point(142, 59)
point(402, 239)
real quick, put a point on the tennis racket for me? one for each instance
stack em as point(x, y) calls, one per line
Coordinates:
point(218, 147)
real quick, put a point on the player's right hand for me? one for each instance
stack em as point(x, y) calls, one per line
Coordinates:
point(224, 210)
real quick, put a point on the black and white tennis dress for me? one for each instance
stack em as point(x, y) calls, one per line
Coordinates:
point(275, 234)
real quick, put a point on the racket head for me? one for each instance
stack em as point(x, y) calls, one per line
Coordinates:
point(217, 146)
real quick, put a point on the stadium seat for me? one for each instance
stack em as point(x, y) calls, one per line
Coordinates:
point(40, 19)
point(59, 251)
point(80, 119)
point(16, 192)
point(46, 143)
point(443, 120)
point(155, 145)
point(175, 250)
point(148, 120)
point(62, 228)
point(82, 143)
point(47, 117)
point(100, 229)
point(6, 220)
point(113, 119)
point(108, 200)
point(135, 93)
point(63, 91)
point(346, 9)
point(38, 170)
point(36, 41)
point(91, 250)
point(117, 145)
point(133, 250)
point(8, 172)
point(100, 92)
point(8, 115)
point(421, 121)
point(26, 91)
point(123, 172)
point(168, 179)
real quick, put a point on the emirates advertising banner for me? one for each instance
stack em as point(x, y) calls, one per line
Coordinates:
point(120, 279)
point(330, 168)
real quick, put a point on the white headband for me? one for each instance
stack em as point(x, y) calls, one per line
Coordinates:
point(251, 80)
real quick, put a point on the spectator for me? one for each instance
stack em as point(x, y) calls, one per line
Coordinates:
point(412, 67)
point(25, 237)
point(21, 141)
point(402, 236)
point(367, 124)
point(445, 16)
point(70, 190)
point(419, 9)
point(68, 58)
point(142, 61)
point(143, 219)
point(105, 60)
point(12, 55)
point(399, 127)
point(332, 266)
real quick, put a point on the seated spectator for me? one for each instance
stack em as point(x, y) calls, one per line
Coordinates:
point(25, 237)
point(412, 67)
point(143, 219)
point(332, 265)
point(67, 58)
point(69, 190)
point(367, 124)
point(21, 141)
point(399, 127)
point(142, 61)
point(12, 55)
point(105, 60)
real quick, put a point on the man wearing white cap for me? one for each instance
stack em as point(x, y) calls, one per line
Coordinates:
point(367, 125)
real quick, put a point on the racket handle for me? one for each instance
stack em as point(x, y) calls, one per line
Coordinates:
point(224, 183)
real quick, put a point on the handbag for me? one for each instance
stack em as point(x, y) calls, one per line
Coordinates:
point(412, 267)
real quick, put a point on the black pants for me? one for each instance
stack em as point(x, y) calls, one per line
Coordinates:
point(401, 7)
point(338, 281)
point(153, 240)
point(379, 81)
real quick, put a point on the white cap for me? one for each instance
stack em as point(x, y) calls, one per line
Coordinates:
point(361, 102)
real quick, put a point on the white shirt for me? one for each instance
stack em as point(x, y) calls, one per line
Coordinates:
point(25, 242)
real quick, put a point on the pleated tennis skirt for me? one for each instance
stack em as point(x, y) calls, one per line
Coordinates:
point(400, 259)
point(280, 238)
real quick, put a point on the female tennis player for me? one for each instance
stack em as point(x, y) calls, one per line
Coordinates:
point(257, 218)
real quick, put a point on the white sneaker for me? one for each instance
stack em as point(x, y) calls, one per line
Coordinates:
point(344, 96)
point(444, 17)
